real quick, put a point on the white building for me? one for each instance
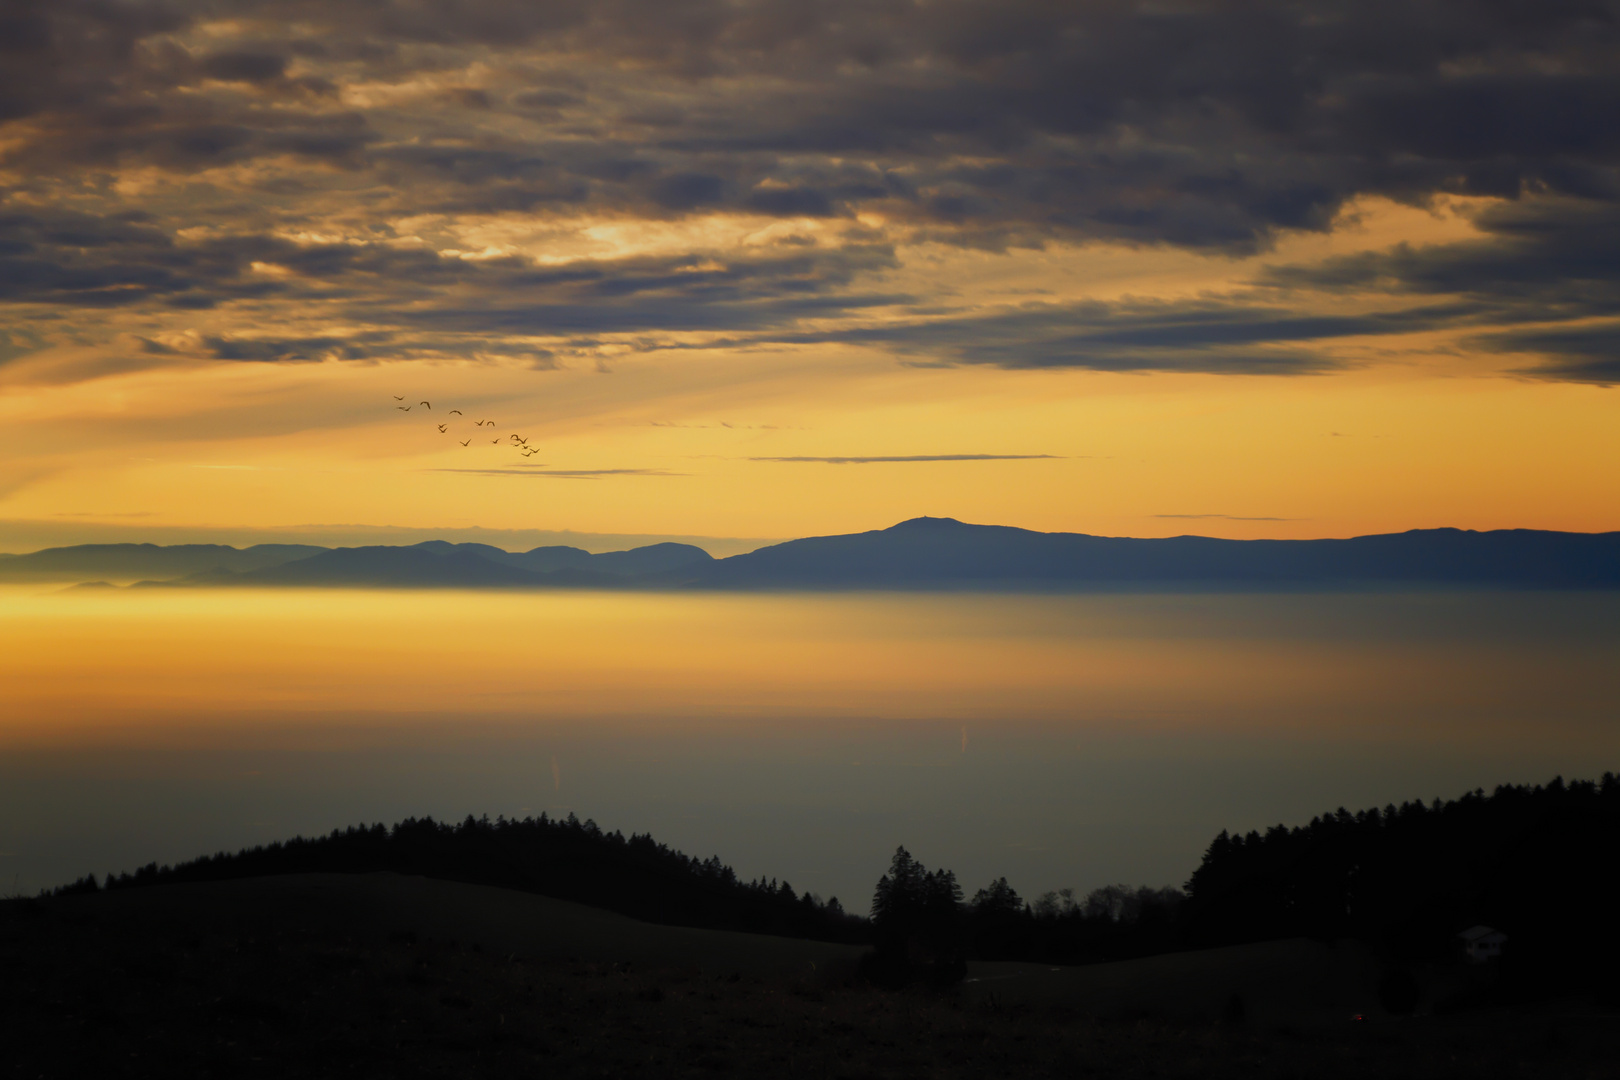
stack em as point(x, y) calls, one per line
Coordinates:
point(1481, 943)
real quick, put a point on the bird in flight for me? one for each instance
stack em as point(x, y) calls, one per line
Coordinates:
point(494, 442)
point(455, 412)
point(464, 442)
point(491, 423)
point(399, 397)
point(441, 429)
point(403, 408)
point(425, 403)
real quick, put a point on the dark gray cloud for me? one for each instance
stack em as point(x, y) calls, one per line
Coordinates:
point(418, 302)
point(1549, 261)
point(909, 458)
point(281, 124)
point(1230, 336)
point(278, 349)
point(1207, 124)
point(1589, 354)
point(1548, 258)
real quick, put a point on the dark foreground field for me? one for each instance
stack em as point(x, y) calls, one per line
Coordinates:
point(379, 975)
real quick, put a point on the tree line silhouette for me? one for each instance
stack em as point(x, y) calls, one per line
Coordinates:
point(565, 858)
point(923, 929)
point(1541, 864)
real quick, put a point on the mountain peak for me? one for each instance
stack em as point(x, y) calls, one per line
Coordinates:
point(926, 523)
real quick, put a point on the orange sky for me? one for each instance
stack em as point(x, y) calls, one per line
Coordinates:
point(689, 260)
point(1412, 431)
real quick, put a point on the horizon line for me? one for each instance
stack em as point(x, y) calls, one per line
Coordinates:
point(747, 545)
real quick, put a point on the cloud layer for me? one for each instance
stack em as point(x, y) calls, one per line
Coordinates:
point(387, 180)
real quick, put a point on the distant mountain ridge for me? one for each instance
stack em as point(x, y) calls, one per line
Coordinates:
point(432, 563)
point(919, 554)
point(943, 552)
point(133, 561)
point(437, 563)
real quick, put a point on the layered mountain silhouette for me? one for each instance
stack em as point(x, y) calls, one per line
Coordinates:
point(923, 553)
point(133, 561)
point(445, 565)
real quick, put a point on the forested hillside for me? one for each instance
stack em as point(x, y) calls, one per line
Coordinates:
point(567, 859)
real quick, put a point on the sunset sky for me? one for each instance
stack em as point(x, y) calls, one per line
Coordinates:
point(769, 269)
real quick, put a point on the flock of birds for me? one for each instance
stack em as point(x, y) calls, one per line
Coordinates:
point(518, 442)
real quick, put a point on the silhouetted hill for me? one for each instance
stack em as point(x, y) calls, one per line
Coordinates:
point(146, 560)
point(1538, 864)
point(567, 859)
point(380, 975)
point(1541, 864)
point(945, 553)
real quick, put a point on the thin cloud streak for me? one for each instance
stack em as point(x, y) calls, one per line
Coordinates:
point(1222, 517)
point(912, 457)
point(562, 474)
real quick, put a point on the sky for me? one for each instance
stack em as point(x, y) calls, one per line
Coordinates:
point(739, 269)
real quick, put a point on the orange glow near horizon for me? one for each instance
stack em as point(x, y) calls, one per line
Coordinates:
point(1130, 455)
point(225, 664)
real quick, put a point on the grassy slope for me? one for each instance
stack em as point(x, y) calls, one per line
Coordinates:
point(374, 906)
point(1296, 982)
point(381, 975)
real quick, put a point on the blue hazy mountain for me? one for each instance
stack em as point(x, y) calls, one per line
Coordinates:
point(924, 553)
point(439, 564)
point(637, 562)
point(382, 566)
point(542, 560)
point(653, 560)
point(945, 553)
point(145, 560)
